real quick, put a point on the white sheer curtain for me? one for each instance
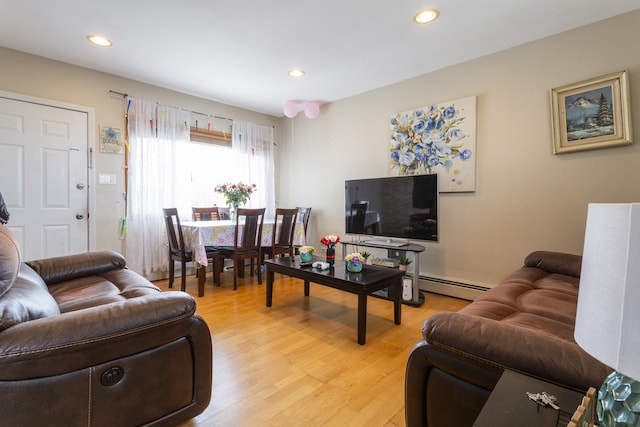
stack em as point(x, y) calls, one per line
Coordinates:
point(253, 146)
point(157, 138)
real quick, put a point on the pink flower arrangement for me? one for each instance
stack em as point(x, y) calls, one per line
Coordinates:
point(236, 194)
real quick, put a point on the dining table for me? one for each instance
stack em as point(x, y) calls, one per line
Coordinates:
point(200, 234)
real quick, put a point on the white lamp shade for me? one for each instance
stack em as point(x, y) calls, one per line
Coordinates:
point(608, 316)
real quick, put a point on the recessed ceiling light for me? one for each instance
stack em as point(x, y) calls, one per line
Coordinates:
point(425, 16)
point(296, 72)
point(99, 40)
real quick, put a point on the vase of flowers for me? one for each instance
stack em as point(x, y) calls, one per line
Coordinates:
point(330, 242)
point(306, 253)
point(235, 195)
point(354, 262)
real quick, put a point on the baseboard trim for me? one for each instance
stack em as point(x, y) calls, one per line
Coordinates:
point(451, 288)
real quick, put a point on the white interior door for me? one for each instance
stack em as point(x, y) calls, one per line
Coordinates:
point(44, 177)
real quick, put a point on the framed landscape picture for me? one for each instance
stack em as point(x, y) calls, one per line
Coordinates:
point(591, 114)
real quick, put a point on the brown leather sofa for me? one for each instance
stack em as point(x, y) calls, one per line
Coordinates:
point(84, 341)
point(524, 324)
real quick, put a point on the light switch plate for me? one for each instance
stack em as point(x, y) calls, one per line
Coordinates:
point(105, 178)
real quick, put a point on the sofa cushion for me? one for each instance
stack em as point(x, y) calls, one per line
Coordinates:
point(28, 299)
point(534, 299)
point(9, 259)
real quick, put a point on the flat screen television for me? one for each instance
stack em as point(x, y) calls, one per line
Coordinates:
point(393, 207)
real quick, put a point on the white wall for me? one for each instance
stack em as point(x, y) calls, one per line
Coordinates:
point(526, 197)
point(39, 77)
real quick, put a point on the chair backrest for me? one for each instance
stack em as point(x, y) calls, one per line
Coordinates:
point(303, 216)
point(358, 213)
point(224, 213)
point(248, 232)
point(174, 230)
point(205, 214)
point(283, 229)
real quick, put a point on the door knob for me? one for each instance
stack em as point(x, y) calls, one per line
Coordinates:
point(80, 186)
point(79, 216)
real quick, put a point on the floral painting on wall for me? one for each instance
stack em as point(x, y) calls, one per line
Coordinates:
point(439, 138)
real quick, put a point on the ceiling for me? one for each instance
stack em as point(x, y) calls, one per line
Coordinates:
point(239, 52)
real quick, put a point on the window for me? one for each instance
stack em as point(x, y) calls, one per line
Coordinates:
point(166, 167)
point(208, 164)
point(208, 160)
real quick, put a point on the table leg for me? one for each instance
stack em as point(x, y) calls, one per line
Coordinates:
point(397, 301)
point(362, 318)
point(201, 276)
point(414, 280)
point(306, 288)
point(269, 286)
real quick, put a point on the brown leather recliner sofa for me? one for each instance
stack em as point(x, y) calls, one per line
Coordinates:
point(524, 324)
point(84, 341)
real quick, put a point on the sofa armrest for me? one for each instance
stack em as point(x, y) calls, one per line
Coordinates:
point(555, 262)
point(69, 267)
point(88, 337)
point(444, 390)
point(474, 339)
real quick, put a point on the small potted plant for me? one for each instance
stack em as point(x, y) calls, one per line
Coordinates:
point(306, 253)
point(366, 256)
point(403, 263)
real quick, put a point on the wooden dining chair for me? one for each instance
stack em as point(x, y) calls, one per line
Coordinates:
point(284, 228)
point(178, 252)
point(205, 214)
point(210, 213)
point(303, 216)
point(247, 243)
point(224, 213)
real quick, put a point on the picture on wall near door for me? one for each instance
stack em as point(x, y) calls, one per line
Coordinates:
point(591, 114)
point(438, 138)
point(111, 140)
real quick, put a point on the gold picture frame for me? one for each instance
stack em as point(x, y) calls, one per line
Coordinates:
point(591, 114)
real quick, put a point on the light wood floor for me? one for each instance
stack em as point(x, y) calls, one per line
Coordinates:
point(298, 362)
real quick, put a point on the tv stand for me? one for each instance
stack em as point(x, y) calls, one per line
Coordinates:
point(417, 298)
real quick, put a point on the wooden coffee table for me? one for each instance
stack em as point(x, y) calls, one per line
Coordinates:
point(371, 279)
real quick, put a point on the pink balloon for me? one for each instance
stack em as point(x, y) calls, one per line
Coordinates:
point(312, 109)
point(290, 109)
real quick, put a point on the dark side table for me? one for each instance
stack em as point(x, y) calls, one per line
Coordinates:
point(509, 405)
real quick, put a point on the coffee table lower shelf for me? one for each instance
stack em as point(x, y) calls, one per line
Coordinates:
point(388, 295)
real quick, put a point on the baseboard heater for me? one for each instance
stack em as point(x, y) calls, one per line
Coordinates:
point(451, 288)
